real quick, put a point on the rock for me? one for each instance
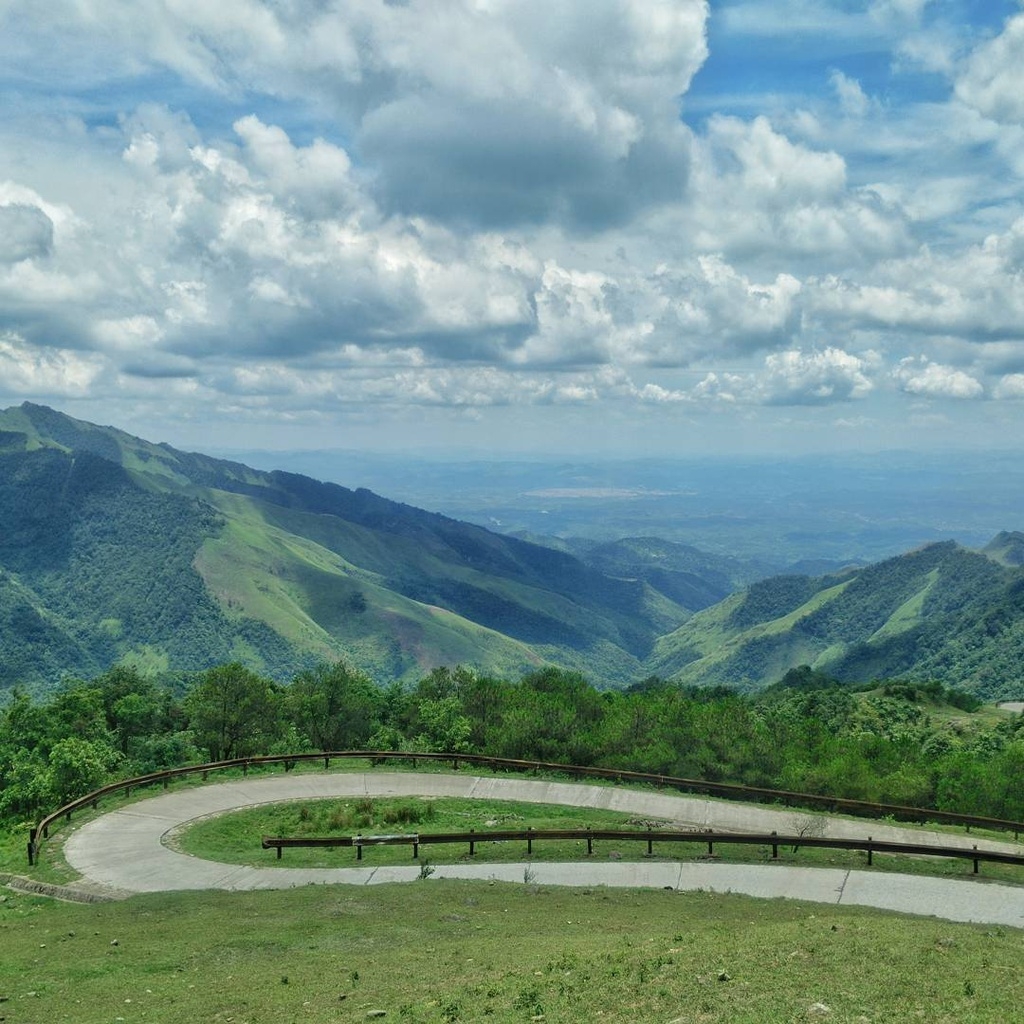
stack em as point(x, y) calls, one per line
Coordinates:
point(819, 1010)
point(722, 976)
point(376, 1013)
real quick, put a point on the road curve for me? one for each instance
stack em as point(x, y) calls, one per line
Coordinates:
point(125, 852)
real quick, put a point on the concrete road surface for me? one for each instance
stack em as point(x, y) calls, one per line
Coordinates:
point(125, 851)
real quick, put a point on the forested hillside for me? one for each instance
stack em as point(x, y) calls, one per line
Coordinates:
point(896, 743)
point(113, 549)
point(940, 613)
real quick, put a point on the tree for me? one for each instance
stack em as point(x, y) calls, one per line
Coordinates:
point(334, 707)
point(77, 767)
point(233, 712)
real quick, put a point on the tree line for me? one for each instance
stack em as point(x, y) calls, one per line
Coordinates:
point(890, 742)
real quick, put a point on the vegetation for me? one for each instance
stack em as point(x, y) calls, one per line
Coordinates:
point(897, 742)
point(441, 951)
point(115, 551)
point(940, 613)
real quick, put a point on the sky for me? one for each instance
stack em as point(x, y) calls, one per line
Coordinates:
point(517, 226)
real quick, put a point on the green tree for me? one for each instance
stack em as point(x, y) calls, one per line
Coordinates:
point(334, 707)
point(77, 766)
point(233, 712)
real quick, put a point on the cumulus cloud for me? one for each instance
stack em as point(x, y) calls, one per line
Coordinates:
point(497, 113)
point(485, 203)
point(975, 294)
point(26, 369)
point(992, 78)
point(25, 233)
point(852, 98)
point(1010, 386)
point(755, 191)
point(795, 378)
point(918, 376)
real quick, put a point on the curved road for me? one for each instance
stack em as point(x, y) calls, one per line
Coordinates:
point(125, 852)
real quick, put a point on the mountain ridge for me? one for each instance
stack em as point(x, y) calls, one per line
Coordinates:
point(328, 571)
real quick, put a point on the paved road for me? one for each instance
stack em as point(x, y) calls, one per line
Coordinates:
point(125, 851)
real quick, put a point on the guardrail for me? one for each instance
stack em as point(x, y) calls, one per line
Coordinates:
point(729, 791)
point(870, 845)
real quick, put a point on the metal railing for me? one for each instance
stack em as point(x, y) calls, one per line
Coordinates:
point(869, 845)
point(725, 790)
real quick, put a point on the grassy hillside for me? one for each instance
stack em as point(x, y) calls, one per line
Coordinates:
point(438, 952)
point(941, 612)
point(115, 549)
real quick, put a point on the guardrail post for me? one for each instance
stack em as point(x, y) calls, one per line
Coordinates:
point(975, 859)
point(472, 843)
point(711, 848)
point(529, 841)
point(31, 853)
point(455, 764)
point(650, 846)
point(279, 848)
point(327, 763)
point(590, 844)
point(359, 850)
point(775, 847)
point(415, 851)
point(167, 782)
point(870, 851)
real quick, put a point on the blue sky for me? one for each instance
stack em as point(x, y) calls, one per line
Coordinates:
point(627, 226)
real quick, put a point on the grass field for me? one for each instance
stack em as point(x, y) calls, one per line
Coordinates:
point(444, 951)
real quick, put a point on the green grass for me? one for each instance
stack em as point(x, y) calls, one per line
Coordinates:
point(445, 951)
point(235, 838)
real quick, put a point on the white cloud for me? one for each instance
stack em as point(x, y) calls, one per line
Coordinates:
point(26, 369)
point(975, 294)
point(795, 378)
point(757, 193)
point(852, 98)
point(25, 233)
point(918, 376)
point(1010, 386)
point(992, 79)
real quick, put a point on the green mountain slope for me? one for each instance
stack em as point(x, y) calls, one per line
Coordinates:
point(691, 578)
point(942, 613)
point(116, 549)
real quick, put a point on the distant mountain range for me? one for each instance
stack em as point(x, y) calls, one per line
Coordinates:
point(114, 549)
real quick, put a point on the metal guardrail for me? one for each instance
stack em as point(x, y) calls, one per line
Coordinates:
point(870, 845)
point(731, 791)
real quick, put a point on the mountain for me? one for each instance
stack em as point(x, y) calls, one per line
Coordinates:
point(114, 549)
point(1007, 548)
point(690, 577)
point(941, 613)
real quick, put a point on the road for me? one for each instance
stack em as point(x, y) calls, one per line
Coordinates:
point(125, 851)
